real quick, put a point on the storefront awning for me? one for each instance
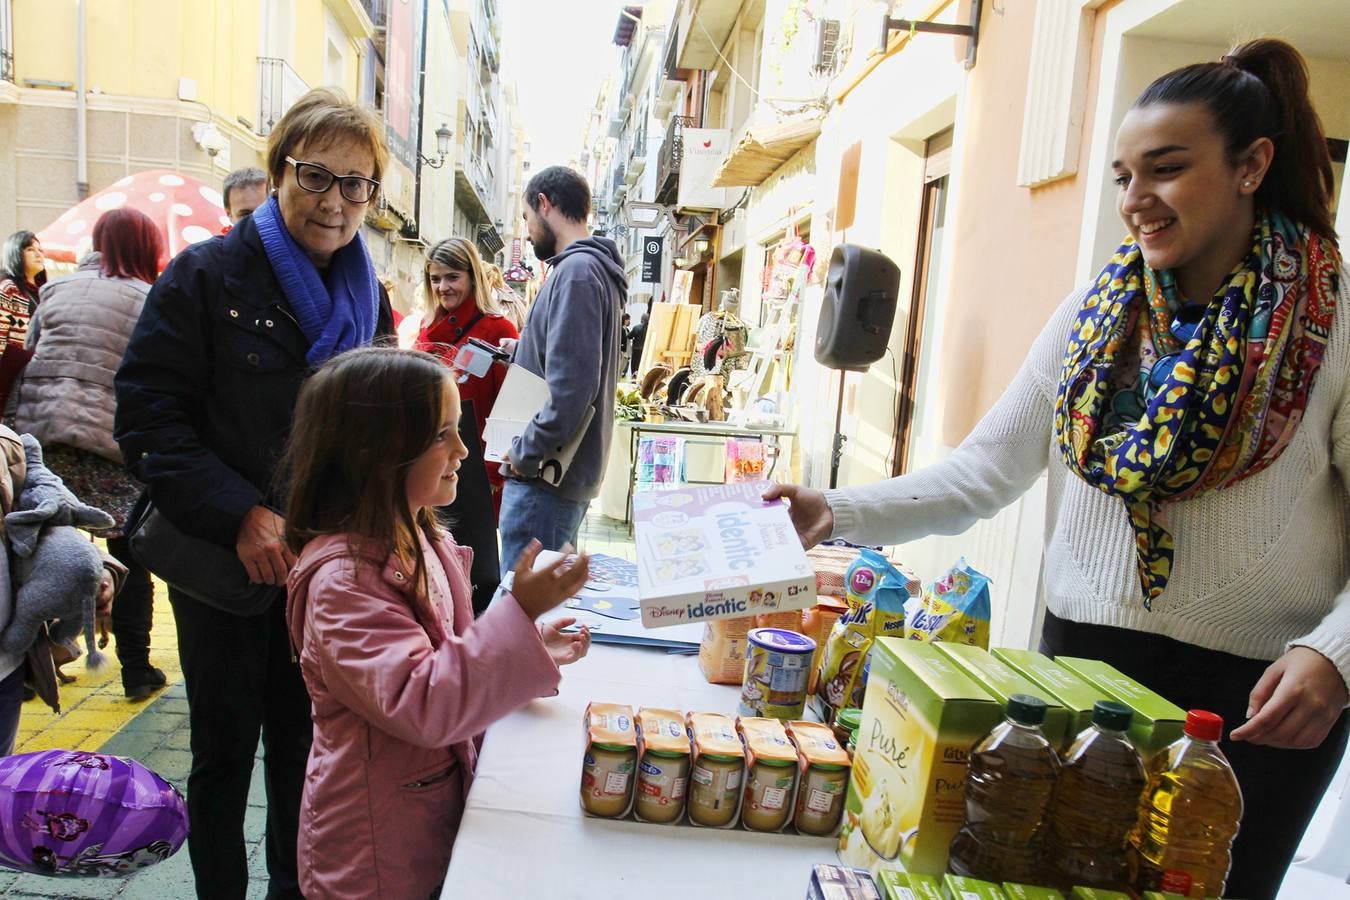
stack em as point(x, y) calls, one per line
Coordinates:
point(762, 150)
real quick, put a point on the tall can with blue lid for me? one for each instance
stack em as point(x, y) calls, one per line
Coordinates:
point(777, 670)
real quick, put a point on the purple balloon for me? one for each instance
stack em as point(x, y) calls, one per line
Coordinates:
point(64, 812)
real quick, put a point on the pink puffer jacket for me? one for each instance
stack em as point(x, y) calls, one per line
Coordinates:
point(400, 691)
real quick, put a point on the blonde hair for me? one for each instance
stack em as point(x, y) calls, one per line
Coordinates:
point(320, 119)
point(461, 255)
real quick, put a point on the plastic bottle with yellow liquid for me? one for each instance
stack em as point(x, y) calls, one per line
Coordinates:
point(1012, 777)
point(1096, 804)
point(1189, 815)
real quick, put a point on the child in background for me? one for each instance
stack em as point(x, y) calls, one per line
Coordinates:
point(403, 680)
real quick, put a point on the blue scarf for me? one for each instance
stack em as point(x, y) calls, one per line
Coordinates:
point(335, 317)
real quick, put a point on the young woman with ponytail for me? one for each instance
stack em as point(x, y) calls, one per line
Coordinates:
point(1192, 407)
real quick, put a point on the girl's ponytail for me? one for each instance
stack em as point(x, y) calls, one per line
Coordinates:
point(1260, 89)
point(1300, 181)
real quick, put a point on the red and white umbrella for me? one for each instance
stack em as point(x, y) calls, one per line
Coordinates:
point(185, 210)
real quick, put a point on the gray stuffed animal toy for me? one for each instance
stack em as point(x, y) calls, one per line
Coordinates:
point(57, 570)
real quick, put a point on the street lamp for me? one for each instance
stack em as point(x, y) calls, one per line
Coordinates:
point(443, 136)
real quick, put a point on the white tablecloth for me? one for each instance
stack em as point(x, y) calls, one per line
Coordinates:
point(524, 834)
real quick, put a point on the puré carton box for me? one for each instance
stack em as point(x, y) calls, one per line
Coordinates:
point(1157, 720)
point(1162, 895)
point(909, 885)
point(906, 799)
point(1014, 891)
point(960, 887)
point(1002, 680)
point(717, 552)
point(1073, 692)
point(1090, 893)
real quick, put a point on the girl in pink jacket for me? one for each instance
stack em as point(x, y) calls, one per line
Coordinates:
point(402, 678)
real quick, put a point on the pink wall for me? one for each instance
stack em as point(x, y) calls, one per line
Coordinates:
point(1013, 249)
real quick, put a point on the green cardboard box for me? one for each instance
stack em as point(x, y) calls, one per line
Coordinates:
point(1087, 893)
point(1002, 680)
point(1157, 720)
point(1073, 693)
point(909, 886)
point(1162, 895)
point(906, 795)
point(959, 887)
point(1014, 891)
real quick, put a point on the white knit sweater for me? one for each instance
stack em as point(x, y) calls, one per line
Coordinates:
point(1258, 568)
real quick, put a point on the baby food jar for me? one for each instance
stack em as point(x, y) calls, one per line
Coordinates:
point(768, 794)
point(846, 722)
point(715, 788)
point(607, 779)
point(662, 778)
point(820, 800)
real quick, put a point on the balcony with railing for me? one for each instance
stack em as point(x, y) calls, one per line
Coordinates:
point(378, 10)
point(279, 86)
point(669, 159)
point(6, 42)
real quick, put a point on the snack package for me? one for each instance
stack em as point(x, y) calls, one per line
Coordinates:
point(831, 562)
point(835, 883)
point(816, 624)
point(744, 460)
point(877, 594)
point(721, 654)
point(955, 608)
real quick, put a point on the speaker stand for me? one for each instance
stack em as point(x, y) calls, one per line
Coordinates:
point(837, 450)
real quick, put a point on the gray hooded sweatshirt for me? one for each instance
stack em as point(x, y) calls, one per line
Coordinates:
point(571, 339)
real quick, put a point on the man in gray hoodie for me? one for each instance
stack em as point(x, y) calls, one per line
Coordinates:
point(570, 339)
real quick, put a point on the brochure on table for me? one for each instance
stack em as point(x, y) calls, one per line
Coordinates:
point(717, 552)
point(608, 606)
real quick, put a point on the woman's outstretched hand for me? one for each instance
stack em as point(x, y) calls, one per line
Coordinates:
point(810, 514)
point(1294, 705)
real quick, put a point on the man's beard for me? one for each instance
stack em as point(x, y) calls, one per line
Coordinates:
point(546, 245)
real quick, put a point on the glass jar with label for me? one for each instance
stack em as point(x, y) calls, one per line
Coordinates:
point(714, 788)
point(820, 799)
point(607, 779)
point(662, 779)
point(768, 794)
point(845, 722)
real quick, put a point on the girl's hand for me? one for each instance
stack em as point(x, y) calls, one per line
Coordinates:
point(539, 591)
point(1295, 703)
point(565, 647)
point(810, 514)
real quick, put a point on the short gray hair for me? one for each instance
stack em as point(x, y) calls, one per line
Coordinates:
point(241, 178)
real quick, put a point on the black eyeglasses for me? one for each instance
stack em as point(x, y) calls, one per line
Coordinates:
point(316, 179)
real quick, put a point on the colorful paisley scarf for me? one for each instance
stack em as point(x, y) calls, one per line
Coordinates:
point(1217, 399)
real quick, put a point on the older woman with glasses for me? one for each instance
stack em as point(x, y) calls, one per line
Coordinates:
point(205, 396)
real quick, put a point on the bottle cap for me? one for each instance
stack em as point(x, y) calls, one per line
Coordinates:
point(1112, 715)
point(849, 718)
point(1203, 725)
point(1025, 709)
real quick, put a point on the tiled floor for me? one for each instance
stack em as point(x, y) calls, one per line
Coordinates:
point(96, 716)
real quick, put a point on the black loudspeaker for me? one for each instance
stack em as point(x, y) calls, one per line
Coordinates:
point(859, 308)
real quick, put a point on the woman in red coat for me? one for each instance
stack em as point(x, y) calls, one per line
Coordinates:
point(461, 310)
